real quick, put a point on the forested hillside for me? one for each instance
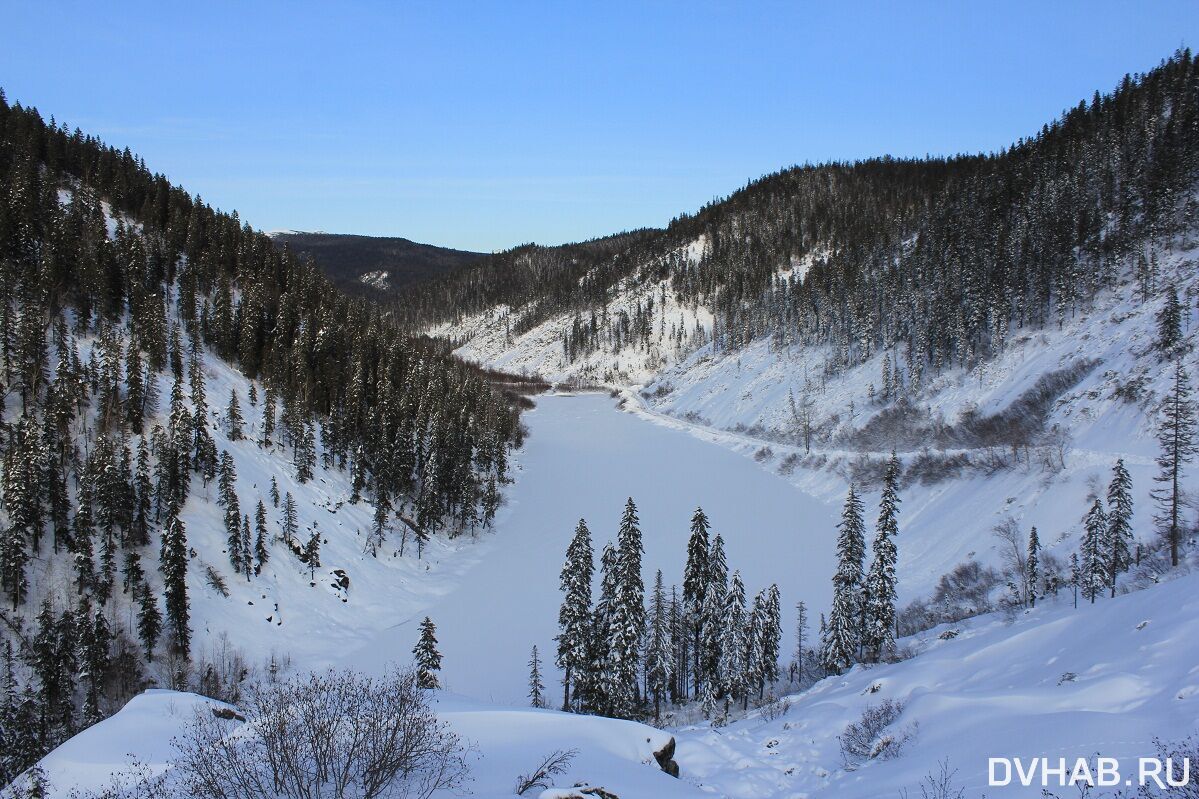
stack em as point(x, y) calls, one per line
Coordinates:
point(375, 267)
point(942, 256)
point(151, 348)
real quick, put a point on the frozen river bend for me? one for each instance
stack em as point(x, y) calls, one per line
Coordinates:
point(583, 458)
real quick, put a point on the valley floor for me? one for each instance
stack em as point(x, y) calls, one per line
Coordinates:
point(584, 457)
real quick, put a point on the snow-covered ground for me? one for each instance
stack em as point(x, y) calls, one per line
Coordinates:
point(583, 458)
point(504, 744)
point(1053, 682)
point(743, 400)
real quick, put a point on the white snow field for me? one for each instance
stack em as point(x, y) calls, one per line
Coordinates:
point(1053, 682)
point(505, 743)
point(584, 458)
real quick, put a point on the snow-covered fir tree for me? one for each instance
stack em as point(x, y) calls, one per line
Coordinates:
point(842, 640)
point(878, 635)
point(659, 648)
point(627, 625)
point(574, 615)
point(695, 583)
point(1119, 541)
point(1094, 553)
point(426, 656)
point(733, 641)
point(1032, 565)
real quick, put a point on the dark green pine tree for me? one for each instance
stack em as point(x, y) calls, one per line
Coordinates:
point(574, 616)
point(1169, 323)
point(695, 583)
point(291, 519)
point(1032, 566)
point(1119, 523)
point(247, 552)
point(149, 619)
point(234, 417)
point(428, 659)
point(843, 638)
point(312, 553)
point(262, 551)
point(173, 564)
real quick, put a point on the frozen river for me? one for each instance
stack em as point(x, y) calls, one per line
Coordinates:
point(583, 458)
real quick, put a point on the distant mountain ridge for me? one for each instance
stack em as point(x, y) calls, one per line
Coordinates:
point(373, 266)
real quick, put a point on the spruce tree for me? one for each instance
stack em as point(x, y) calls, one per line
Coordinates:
point(879, 633)
point(844, 637)
point(695, 583)
point(598, 680)
point(173, 564)
point(312, 553)
point(428, 659)
point(1094, 560)
point(574, 616)
point(234, 418)
point(291, 519)
point(659, 649)
point(247, 553)
point(1119, 523)
point(536, 687)
point(262, 552)
point(1176, 437)
point(1169, 322)
point(799, 658)
point(772, 638)
point(149, 619)
point(1032, 566)
point(628, 616)
point(733, 642)
point(713, 614)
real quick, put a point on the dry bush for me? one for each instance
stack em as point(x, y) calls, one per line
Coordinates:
point(332, 734)
point(868, 738)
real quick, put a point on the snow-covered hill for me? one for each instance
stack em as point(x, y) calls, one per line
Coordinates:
point(1054, 682)
point(1090, 388)
point(505, 743)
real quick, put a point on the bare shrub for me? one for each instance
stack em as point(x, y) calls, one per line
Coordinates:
point(555, 763)
point(928, 468)
point(764, 454)
point(788, 464)
point(326, 734)
point(774, 707)
point(869, 738)
point(960, 594)
point(939, 785)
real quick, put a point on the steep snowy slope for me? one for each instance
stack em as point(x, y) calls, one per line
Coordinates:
point(1105, 679)
point(1090, 391)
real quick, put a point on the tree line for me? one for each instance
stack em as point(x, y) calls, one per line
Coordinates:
point(619, 654)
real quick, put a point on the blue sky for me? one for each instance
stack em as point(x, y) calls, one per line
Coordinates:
point(483, 125)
